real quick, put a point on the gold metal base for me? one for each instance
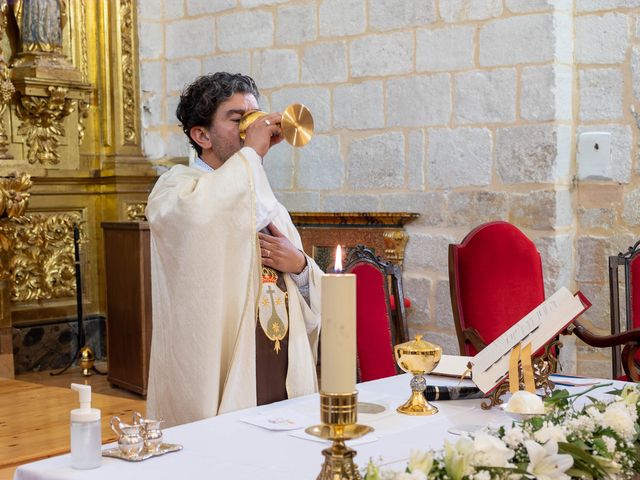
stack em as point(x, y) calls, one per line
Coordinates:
point(86, 359)
point(417, 405)
point(337, 432)
point(338, 413)
point(543, 367)
point(339, 464)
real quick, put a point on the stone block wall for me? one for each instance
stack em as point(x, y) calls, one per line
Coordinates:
point(464, 111)
point(607, 65)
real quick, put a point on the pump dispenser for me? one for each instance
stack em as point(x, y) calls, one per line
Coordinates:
point(86, 434)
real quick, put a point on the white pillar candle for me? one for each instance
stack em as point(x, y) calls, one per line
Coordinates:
point(338, 333)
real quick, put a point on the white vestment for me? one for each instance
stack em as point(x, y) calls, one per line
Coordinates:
point(206, 274)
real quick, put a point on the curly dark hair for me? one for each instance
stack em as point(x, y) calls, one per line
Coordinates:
point(200, 100)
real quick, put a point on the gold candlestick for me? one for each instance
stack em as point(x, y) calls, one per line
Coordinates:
point(417, 357)
point(339, 414)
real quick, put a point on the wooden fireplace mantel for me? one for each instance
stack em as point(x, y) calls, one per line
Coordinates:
point(381, 231)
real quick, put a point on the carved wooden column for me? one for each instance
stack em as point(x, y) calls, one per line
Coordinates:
point(14, 197)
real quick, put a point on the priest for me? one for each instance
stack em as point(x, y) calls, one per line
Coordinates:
point(236, 302)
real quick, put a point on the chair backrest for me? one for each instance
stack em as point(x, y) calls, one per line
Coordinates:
point(630, 260)
point(378, 326)
point(634, 289)
point(496, 278)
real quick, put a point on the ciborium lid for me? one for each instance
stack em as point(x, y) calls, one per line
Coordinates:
point(418, 356)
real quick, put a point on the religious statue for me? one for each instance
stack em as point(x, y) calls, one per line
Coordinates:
point(40, 23)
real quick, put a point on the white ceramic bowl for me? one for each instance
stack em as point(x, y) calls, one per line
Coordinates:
point(519, 416)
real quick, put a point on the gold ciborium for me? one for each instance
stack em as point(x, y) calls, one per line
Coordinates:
point(296, 124)
point(419, 358)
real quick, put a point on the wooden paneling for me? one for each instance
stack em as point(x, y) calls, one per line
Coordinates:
point(127, 268)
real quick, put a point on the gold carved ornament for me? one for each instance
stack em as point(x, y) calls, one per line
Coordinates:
point(128, 72)
point(14, 198)
point(43, 264)
point(6, 86)
point(42, 119)
point(395, 242)
point(83, 114)
point(135, 211)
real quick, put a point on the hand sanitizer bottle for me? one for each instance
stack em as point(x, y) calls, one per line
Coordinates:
point(86, 434)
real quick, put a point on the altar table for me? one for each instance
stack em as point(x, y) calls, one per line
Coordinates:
point(227, 447)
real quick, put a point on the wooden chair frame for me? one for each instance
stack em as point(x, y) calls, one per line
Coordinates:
point(629, 340)
point(615, 262)
point(393, 287)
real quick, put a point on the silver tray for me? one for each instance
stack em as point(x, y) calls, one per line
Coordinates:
point(143, 455)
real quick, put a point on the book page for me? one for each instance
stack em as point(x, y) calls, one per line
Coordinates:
point(538, 327)
point(453, 366)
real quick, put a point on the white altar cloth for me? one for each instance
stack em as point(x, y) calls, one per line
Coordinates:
point(228, 447)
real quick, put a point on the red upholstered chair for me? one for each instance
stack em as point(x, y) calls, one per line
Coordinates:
point(495, 277)
point(379, 324)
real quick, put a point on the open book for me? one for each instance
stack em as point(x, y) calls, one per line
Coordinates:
point(538, 327)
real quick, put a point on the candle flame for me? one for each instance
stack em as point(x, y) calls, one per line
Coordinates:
point(337, 267)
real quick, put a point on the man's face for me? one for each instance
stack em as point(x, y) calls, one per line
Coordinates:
point(224, 131)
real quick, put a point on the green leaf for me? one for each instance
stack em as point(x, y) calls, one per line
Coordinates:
point(578, 473)
point(581, 456)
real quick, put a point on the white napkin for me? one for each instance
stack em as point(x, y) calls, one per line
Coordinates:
point(279, 420)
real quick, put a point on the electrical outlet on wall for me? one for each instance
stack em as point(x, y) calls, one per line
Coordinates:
point(594, 156)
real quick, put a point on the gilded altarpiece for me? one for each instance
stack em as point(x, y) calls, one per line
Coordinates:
point(69, 120)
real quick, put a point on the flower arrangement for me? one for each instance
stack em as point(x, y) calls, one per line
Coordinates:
point(599, 440)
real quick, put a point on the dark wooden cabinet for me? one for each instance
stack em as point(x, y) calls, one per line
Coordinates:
point(128, 276)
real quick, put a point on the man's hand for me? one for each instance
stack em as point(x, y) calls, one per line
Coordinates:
point(264, 133)
point(279, 253)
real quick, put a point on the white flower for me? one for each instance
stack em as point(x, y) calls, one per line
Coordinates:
point(610, 466)
point(420, 461)
point(386, 475)
point(515, 436)
point(617, 416)
point(548, 432)
point(610, 443)
point(481, 475)
point(418, 475)
point(457, 458)
point(630, 395)
point(594, 414)
point(372, 472)
point(545, 463)
point(582, 423)
point(490, 451)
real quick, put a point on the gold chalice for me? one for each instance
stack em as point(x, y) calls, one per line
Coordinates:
point(419, 358)
point(296, 124)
